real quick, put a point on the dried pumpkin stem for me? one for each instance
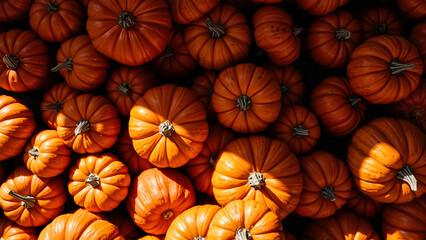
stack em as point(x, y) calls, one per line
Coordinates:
point(243, 103)
point(396, 67)
point(126, 20)
point(11, 61)
point(196, 238)
point(256, 180)
point(56, 106)
point(243, 234)
point(82, 126)
point(297, 31)
point(68, 64)
point(381, 29)
point(328, 192)
point(416, 113)
point(343, 34)
point(353, 101)
point(406, 174)
point(168, 52)
point(166, 128)
point(27, 201)
point(212, 159)
point(298, 131)
point(167, 215)
point(52, 7)
point(124, 88)
point(93, 180)
point(34, 152)
point(284, 89)
point(215, 30)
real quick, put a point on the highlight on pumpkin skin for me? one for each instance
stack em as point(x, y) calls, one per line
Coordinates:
point(11, 230)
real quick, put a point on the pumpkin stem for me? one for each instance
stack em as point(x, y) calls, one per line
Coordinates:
point(297, 31)
point(416, 113)
point(284, 89)
point(243, 103)
point(196, 238)
point(166, 128)
point(11, 61)
point(396, 67)
point(353, 101)
point(34, 152)
point(124, 88)
point(82, 126)
point(328, 192)
point(210, 92)
point(126, 20)
point(213, 158)
point(27, 201)
point(406, 174)
point(52, 7)
point(167, 214)
point(215, 30)
point(298, 131)
point(243, 234)
point(56, 106)
point(256, 180)
point(381, 29)
point(93, 180)
point(68, 64)
point(343, 34)
point(168, 52)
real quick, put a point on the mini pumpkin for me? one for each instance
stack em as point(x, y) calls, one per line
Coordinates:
point(9, 230)
point(379, 21)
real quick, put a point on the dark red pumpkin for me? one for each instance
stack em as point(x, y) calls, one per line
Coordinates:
point(379, 21)
point(363, 205)
point(413, 9)
point(418, 38)
point(187, 11)
point(203, 86)
point(320, 7)
point(14, 10)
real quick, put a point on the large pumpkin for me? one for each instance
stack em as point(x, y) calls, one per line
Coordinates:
point(203, 86)
point(384, 69)
point(363, 205)
point(118, 27)
point(88, 123)
point(261, 169)
point(157, 197)
point(418, 38)
point(387, 160)
point(9, 230)
point(320, 7)
point(17, 125)
point(168, 126)
point(379, 21)
point(246, 98)
point(14, 10)
point(187, 11)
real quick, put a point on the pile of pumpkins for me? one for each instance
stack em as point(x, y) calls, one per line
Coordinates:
point(212, 120)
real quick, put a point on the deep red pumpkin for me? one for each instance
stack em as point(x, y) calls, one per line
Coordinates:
point(379, 21)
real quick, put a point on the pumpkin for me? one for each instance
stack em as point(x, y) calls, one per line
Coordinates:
point(343, 225)
point(32, 201)
point(289, 236)
point(387, 160)
point(200, 169)
point(80, 225)
point(187, 11)
point(17, 125)
point(243, 220)
point(363, 205)
point(384, 69)
point(326, 185)
point(261, 169)
point(88, 123)
point(298, 127)
point(14, 10)
point(85, 3)
point(175, 61)
point(379, 21)
point(83, 68)
point(99, 182)
point(117, 28)
point(152, 237)
point(203, 86)
point(405, 221)
point(418, 38)
point(168, 126)
point(9, 230)
point(53, 102)
point(157, 197)
point(246, 98)
point(338, 108)
point(193, 223)
point(25, 61)
point(220, 39)
point(46, 154)
point(276, 34)
point(125, 225)
point(331, 39)
point(413, 107)
point(292, 86)
point(126, 84)
point(320, 7)
point(56, 20)
point(413, 9)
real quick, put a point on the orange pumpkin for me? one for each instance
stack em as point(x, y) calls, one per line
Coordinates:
point(363, 205)
point(152, 237)
point(320, 7)
point(379, 21)
point(9, 230)
point(187, 11)
point(14, 10)
point(203, 86)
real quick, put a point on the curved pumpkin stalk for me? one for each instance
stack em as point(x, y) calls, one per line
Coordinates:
point(27, 201)
point(82, 126)
point(215, 30)
point(242, 234)
point(56, 106)
point(343, 34)
point(396, 67)
point(406, 174)
point(68, 64)
point(298, 131)
point(11, 61)
point(328, 192)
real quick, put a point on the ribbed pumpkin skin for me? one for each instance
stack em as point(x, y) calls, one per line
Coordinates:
point(320, 7)
point(188, 130)
point(378, 21)
point(369, 69)
point(363, 205)
point(405, 221)
point(192, 223)
point(251, 215)
point(344, 225)
point(17, 125)
point(379, 150)
point(34, 61)
point(125, 225)
point(149, 34)
point(80, 225)
point(218, 53)
point(66, 19)
point(187, 11)
point(9, 230)
point(89, 68)
point(14, 10)
point(331, 39)
point(152, 237)
point(413, 9)
point(274, 33)
point(157, 196)
point(203, 87)
point(50, 194)
point(279, 167)
point(418, 38)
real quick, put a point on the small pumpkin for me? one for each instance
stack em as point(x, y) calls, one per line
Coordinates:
point(418, 38)
point(14, 10)
point(413, 9)
point(379, 21)
point(363, 205)
point(203, 86)
point(320, 7)
point(187, 11)
point(9, 230)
